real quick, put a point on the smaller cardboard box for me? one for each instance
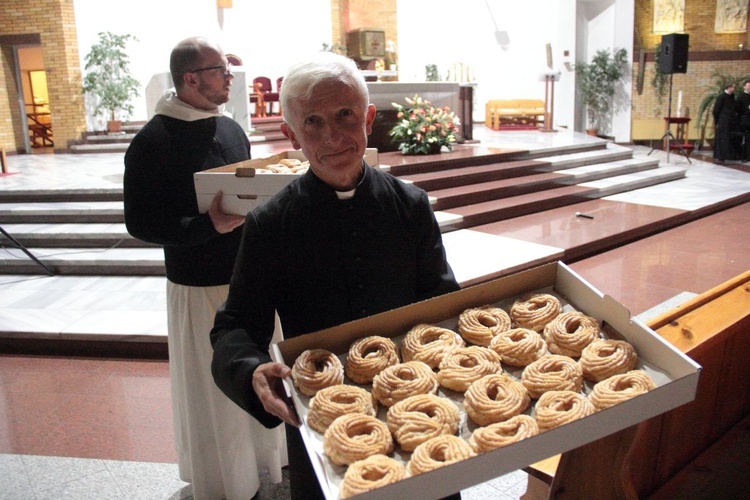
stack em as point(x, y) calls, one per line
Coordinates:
point(675, 375)
point(243, 185)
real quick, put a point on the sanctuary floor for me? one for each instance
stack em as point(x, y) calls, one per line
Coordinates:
point(80, 428)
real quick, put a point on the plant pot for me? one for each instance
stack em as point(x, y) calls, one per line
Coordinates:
point(592, 131)
point(114, 126)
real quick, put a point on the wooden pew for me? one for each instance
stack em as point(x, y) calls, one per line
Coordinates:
point(510, 112)
point(714, 330)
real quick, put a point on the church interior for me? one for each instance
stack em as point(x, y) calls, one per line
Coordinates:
point(641, 210)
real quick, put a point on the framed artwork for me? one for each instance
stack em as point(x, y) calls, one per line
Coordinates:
point(731, 16)
point(669, 16)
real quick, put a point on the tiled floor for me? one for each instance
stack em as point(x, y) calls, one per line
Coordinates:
point(84, 428)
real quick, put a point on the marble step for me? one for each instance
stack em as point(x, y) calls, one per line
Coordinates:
point(261, 137)
point(516, 168)
point(61, 212)
point(61, 195)
point(90, 261)
point(89, 235)
point(119, 309)
point(110, 138)
point(636, 180)
point(505, 208)
point(99, 148)
point(464, 195)
point(465, 156)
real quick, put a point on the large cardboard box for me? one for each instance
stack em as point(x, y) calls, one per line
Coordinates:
point(675, 374)
point(243, 185)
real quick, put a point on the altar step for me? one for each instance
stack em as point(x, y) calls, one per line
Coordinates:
point(466, 195)
point(83, 233)
point(502, 208)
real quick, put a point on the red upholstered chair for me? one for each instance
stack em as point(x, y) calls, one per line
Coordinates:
point(234, 60)
point(269, 96)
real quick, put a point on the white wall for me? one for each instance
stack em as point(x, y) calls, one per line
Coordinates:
point(268, 36)
point(510, 71)
point(608, 25)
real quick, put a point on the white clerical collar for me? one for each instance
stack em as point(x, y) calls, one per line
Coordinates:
point(346, 195)
point(171, 105)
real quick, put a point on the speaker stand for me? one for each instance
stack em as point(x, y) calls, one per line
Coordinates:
point(668, 134)
point(17, 244)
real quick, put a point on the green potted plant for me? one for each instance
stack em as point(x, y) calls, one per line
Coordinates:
point(719, 82)
point(596, 82)
point(659, 80)
point(108, 78)
point(423, 128)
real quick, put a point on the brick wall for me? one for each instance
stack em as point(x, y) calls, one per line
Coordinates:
point(699, 24)
point(354, 14)
point(54, 21)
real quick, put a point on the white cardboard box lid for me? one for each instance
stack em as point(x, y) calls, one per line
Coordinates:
point(240, 182)
point(677, 383)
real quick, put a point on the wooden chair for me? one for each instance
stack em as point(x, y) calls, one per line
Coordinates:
point(269, 96)
point(258, 98)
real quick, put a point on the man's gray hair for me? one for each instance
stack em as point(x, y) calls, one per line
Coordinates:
point(305, 75)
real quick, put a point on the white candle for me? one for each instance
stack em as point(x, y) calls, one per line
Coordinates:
point(679, 103)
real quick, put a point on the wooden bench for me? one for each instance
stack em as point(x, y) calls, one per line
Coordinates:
point(647, 460)
point(501, 113)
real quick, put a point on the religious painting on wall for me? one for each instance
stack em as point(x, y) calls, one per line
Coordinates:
point(669, 16)
point(731, 16)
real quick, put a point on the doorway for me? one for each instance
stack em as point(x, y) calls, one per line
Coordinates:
point(35, 97)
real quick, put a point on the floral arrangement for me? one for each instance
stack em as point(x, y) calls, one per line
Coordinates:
point(423, 128)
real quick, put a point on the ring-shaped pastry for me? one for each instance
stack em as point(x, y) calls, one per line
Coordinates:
point(553, 372)
point(570, 332)
point(355, 437)
point(400, 381)
point(495, 398)
point(465, 365)
point(606, 357)
point(535, 312)
point(419, 418)
point(556, 408)
point(500, 434)
point(371, 473)
point(519, 346)
point(438, 452)
point(332, 402)
point(479, 325)
point(369, 356)
point(621, 387)
point(316, 369)
point(429, 344)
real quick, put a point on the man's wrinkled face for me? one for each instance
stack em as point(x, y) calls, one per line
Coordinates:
point(331, 128)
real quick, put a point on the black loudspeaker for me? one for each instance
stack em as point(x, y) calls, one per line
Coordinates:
point(674, 53)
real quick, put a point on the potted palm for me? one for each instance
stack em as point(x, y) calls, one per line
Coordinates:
point(596, 82)
point(108, 78)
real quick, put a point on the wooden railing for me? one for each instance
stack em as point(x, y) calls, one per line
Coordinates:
point(40, 129)
point(714, 330)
